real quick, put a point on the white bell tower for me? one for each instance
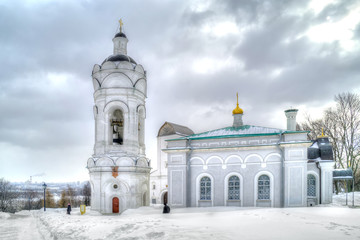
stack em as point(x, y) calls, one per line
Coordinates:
point(119, 170)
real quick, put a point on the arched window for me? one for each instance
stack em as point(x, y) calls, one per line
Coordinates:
point(117, 123)
point(264, 187)
point(234, 188)
point(205, 188)
point(311, 185)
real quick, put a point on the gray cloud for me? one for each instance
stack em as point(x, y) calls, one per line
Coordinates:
point(271, 62)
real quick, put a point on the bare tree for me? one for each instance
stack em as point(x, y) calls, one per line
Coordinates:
point(342, 125)
point(62, 203)
point(86, 192)
point(50, 202)
point(72, 196)
point(8, 194)
point(32, 199)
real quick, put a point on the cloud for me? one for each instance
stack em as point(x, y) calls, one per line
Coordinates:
point(197, 54)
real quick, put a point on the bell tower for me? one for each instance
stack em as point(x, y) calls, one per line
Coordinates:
point(119, 170)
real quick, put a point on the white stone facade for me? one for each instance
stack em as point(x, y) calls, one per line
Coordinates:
point(159, 175)
point(119, 170)
point(249, 166)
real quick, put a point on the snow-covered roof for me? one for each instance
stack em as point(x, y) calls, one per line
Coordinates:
point(314, 145)
point(342, 174)
point(242, 131)
point(169, 128)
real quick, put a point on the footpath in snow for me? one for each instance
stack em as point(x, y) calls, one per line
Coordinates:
point(334, 221)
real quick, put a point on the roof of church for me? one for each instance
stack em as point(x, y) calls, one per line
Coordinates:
point(242, 131)
point(321, 150)
point(169, 128)
point(120, 34)
point(119, 58)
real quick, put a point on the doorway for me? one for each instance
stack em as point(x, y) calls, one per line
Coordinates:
point(144, 199)
point(115, 205)
point(165, 198)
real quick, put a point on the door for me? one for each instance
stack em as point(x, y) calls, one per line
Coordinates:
point(115, 205)
point(165, 200)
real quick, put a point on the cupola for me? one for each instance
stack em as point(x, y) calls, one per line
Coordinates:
point(237, 110)
point(237, 113)
point(120, 42)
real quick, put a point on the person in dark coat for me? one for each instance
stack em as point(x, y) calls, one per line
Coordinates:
point(68, 208)
point(166, 208)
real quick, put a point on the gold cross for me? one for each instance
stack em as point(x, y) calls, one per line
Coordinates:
point(121, 24)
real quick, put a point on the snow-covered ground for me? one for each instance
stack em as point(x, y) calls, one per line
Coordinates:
point(335, 221)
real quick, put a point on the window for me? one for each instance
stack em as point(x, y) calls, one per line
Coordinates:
point(311, 185)
point(154, 186)
point(117, 124)
point(264, 187)
point(205, 188)
point(234, 188)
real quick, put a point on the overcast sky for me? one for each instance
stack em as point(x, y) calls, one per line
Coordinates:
point(198, 54)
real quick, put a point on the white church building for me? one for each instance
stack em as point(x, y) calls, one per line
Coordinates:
point(119, 170)
point(159, 175)
point(239, 165)
point(242, 165)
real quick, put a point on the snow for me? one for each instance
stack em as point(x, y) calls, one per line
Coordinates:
point(334, 221)
point(4, 215)
point(245, 129)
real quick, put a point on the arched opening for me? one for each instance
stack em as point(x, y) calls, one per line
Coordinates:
point(117, 123)
point(144, 199)
point(234, 188)
point(165, 198)
point(205, 188)
point(312, 189)
point(264, 187)
point(115, 205)
point(311, 185)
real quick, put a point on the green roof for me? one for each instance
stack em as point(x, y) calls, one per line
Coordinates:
point(236, 132)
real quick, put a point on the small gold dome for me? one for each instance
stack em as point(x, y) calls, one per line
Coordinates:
point(237, 110)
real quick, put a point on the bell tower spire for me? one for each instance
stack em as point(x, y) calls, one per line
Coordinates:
point(120, 41)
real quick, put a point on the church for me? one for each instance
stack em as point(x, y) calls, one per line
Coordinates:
point(119, 170)
point(239, 165)
point(242, 165)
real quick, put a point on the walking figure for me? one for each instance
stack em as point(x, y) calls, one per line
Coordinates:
point(68, 208)
point(166, 208)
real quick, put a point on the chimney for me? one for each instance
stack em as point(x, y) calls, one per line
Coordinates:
point(291, 119)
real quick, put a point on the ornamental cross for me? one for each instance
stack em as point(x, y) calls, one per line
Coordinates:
point(121, 24)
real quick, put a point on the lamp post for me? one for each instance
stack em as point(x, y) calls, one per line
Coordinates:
point(44, 187)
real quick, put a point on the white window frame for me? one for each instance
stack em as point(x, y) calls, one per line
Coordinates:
point(198, 178)
point(226, 187)
point(317, 180)
point(256, 182)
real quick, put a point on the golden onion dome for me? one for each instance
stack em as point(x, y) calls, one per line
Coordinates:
point(237, 110)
